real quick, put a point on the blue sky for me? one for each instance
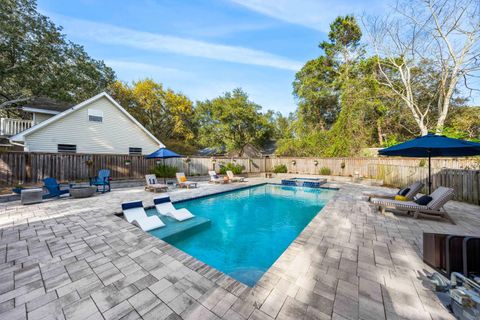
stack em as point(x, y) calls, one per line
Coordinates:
point(203, 48)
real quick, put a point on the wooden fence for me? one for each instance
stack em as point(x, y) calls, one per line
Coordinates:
point(22, 167)
point(363, 166)
point(466, 183)
point(461, 174)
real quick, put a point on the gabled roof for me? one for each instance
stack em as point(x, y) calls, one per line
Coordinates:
point(21, 136)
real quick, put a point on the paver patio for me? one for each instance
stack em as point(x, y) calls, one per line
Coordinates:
point(74, 259)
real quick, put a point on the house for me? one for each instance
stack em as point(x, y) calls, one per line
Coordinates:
point(33, 113)
point(249, 151)
point(98, 125)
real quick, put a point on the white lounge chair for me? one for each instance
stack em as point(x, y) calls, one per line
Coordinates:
point(165, 207)
point(135, 214)
point(153, 185)
point(233, 178)
point(183, 182)
point(215, 178)
point(413, 190)
point(433, 209)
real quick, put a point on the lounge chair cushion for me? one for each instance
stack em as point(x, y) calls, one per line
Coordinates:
point(131, 205)
point(403, 192)
point(183, 179)
point(161, 200)
point(423, 200)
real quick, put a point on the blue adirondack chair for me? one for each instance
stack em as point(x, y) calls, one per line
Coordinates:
point(54, 188)
point(102, 180)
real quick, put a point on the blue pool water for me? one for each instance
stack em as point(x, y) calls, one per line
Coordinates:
point(250, 228)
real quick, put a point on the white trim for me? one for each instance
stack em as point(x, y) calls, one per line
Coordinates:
point(95, 112)
point(21, 136)
point(37, 110)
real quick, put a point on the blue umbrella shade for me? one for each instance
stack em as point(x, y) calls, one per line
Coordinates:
point(163, 153)
point(433, 145)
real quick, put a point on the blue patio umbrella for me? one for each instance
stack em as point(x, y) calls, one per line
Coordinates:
point(163, 153)
point(432, 145)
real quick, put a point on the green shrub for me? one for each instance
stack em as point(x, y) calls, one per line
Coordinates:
point(235, 168)
point(164, 171)
point(324, 171)
point(281, 168)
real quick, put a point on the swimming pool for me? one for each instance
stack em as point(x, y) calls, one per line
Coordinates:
point(250, 228)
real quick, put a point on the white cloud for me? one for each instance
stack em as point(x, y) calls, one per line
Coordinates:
point(314, 14)
point(113, 35)
point(144, 68)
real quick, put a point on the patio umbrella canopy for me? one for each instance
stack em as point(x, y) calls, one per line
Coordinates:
point(432, 145)
point(163, 153)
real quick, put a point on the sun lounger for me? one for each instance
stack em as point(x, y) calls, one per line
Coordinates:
point(233, 178)
point(135, 214)
point(215, 178)
point(153, 185)
point(412, 191)
point(183, 182)
point(433, 209)
point(165, 207)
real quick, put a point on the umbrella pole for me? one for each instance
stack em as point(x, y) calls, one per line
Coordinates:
point(164, 178)
point(429, 173)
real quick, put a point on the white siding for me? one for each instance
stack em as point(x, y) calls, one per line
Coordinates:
point(114, 135)
point(40, 117)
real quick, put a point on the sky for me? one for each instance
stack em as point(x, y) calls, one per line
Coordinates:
point(204, 48)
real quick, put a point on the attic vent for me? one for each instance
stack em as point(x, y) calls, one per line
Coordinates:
point(95, 115)
point(135, 151)
point(67, 148)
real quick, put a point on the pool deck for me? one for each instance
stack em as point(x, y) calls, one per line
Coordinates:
point(74, 259)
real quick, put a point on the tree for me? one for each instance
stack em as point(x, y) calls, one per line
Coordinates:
point(428, 41)
point(463, 123)
point(232, 121)
point(318, 84)
point(37, 61)
point(317, 93)
point(165, 113)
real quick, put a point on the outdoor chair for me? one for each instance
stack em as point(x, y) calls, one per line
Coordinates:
point(233, 178)
point(409, 192)
point(215, 178)
point(102, 180)
point(54, 188)
point(153, 185)
point(432, 209)
point(165, 207)
point(183, 182)
point(136, 215)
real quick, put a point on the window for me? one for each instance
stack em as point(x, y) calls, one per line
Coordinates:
point(95, 115)
point(67, 148)
point(135, 151)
